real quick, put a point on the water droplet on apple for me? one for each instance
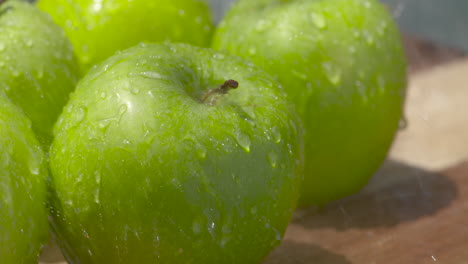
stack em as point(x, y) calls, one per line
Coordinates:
point(198, 20)
point(80, 114)
point(2, 46)
point(403, 123)
point(276, 134)
point(333, 73)
point(151, 75)
point(29, 43)
point(252, 51)
point(299, 75)
point(181, 12)
point(103, 126)
point(352, 49)
point(235, 178)
point(135, 90)
point(34, 166)
point(319, 20)
point(369, 38)
point(15, 72)
point(367, 4)
point(357, 34)
point(262, 25)
point(97, 175)
point(196, 227)
point(272, 158)
point(243, 140)
point(219, 56)
point(381, 82)
point(103, 95)
point(278, 236)
point(253, 210)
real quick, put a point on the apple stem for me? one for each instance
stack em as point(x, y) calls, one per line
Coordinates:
point(212, 95)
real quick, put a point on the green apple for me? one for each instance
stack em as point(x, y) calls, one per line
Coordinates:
point(99, 28)
point(157, 159)
point(37, 67)
point(23, 213)
point(342, 64)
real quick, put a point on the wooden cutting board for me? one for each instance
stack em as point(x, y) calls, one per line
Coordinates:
point(415, 209)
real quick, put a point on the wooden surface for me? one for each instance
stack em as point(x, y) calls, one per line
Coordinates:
point(415, 208)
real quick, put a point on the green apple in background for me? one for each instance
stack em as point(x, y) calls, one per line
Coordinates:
point(23, 213)
point(342, 63)
point(37, 67)
point(158, 159)
point(99, 28)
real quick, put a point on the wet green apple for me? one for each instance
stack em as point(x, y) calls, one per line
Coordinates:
point(37, 67)
point(23, 213)
point(99, 28)
point(342, 63)
point(168, 153)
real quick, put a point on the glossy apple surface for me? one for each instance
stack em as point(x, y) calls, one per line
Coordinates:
point(23, 214)
point(343, 65)
point(99, 28)
point(151, 165)
point(37, 67)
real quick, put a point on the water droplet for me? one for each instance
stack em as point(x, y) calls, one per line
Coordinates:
point(15, 73)
point(272, 158)
point(369, 38)
point(34, 166)
point(29, 43)
point(333, 73)
point(196, 227)
point(151, 75)
point(219, 56)
point(103, 95)
point(235, 178)
point(403, 123)
point(352, 49)
point(276, 134)
point(80, 114)
point(319, 20)
point(367, 4)
point(135, 90)
point(253, 210)
point(381, 82)
point(262, 25)
point(243, 140)
point(278, 236)
point(123, 109)
point(356, 34)
point(104, 125)
point(181, 12)
point(2, 47)
point(252, 51)
point(98, 189)
point(299, 75)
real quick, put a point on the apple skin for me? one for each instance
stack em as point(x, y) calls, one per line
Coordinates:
point(37, 67)
point(99, 28)
point(342, 64)
point(143, 172)
point(24, 226)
